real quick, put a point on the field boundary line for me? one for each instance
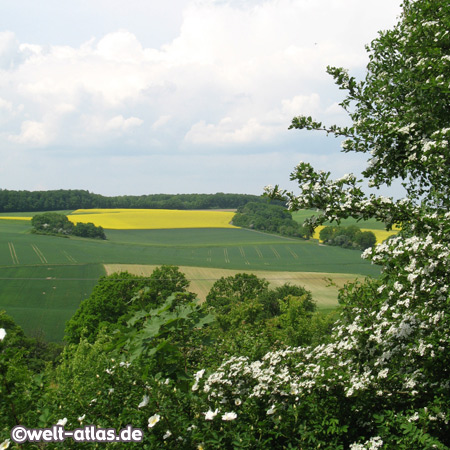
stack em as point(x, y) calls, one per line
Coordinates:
point(12, 250)
point(69, 257)
point(277, 255)
point(241, 249)
point(39, 254)
point(292, 253)
point(259, 253)
point(225, 253)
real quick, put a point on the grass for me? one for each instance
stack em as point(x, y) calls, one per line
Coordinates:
point(66, 269)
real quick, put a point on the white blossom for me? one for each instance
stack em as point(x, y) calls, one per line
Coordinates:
point(5, 444)
point(209, 415)
point(144, 402)
point(229, 416)
point(153, 420)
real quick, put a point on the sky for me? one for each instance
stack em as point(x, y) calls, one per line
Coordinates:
point(186, 96)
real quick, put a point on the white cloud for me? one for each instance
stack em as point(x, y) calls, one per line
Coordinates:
point(301, 105)
point(9, 46)
point(163, 120)
point(227, 132)
point(122, 124)
point(232, 78)
point(268, 126)
point(5, 105)
point(121, 47)
point(33, 133)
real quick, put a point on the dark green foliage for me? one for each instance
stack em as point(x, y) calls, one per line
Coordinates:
point(347, 237)
point(365, 239)
point(117, 295)
point(21, 361)
point(164, 281)
point(37, 352)
point(52, 223)
point(288, 290)
point(252, 319)
point(88, 230)
point(59, 224)
point(268, 217)
point(235, 289)
point(164, 337)
point(109, 300)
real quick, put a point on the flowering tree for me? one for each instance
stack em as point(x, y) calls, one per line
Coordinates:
point(383, 379)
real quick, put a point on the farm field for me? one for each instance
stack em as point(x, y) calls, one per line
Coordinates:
point(136, 219)
point(41, 298)
point(67, 269)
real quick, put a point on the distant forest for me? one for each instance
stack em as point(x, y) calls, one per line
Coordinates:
point(17, 201)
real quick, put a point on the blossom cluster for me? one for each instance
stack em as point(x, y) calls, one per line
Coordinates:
point(396, 345)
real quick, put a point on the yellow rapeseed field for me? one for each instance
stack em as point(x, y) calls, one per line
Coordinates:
point(381, 235)
point(147, 219)
point(15, 218)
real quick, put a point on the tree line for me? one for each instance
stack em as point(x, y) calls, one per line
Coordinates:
point(68, 199)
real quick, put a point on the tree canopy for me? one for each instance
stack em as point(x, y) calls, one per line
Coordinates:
point(348, 237)
point(117, 295)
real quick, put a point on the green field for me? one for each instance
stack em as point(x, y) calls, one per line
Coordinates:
point(41, 298)
point(66, 269)
point(370, 224)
